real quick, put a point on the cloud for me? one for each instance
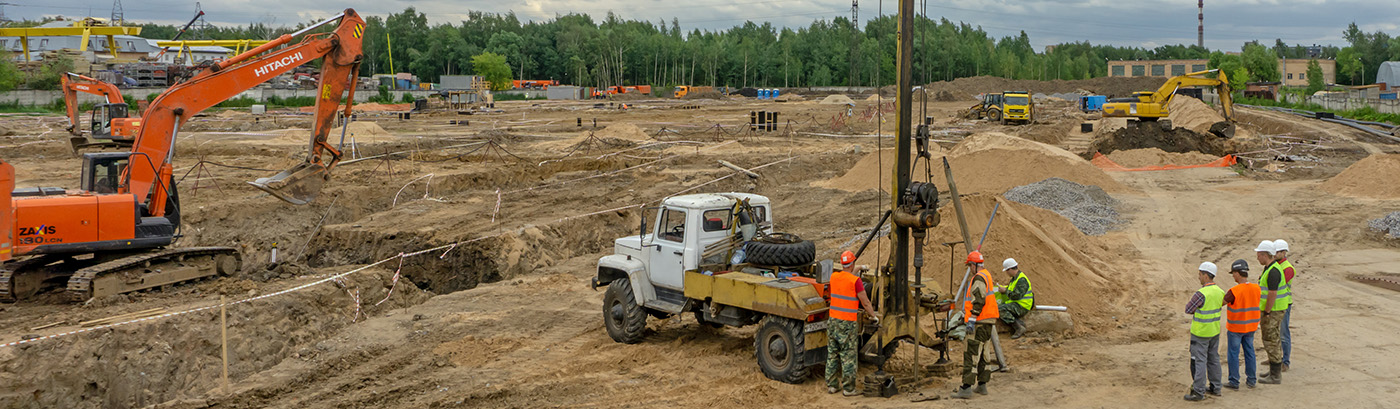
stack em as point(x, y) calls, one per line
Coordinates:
point(1229, 23)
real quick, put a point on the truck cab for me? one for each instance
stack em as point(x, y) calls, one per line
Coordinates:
point(1017, 106)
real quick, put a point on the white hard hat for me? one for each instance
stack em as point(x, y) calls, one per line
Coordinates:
point(1280, 245)
point(1208, 267)
point(1008, 264)
point(1266, 246)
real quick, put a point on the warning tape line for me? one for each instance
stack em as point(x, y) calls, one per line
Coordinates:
point(355, 296)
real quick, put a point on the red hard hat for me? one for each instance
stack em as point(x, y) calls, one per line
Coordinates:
point(848, 257)
point(974, 257)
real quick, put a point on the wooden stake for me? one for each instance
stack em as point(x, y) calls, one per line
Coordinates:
point(223, 331)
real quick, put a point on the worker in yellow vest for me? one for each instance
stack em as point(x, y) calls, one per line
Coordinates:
point(843, 336)
point(980, 311)
point(1275, 298)
point(1015, 300)
point(1204, 307)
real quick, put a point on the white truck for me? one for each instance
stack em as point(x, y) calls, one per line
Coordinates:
point(686, 262)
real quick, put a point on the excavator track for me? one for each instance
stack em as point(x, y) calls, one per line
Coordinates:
point(152, 270)
point(17, 279)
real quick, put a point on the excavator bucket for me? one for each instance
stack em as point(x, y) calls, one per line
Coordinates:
point(1223, 129)
point(298, 185)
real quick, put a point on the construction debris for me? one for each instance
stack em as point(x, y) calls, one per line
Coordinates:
point(1389, 225)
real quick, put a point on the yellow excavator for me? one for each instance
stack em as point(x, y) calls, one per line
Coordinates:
point(1151, 106)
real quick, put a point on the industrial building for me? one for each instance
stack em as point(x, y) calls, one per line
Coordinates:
point(1293, 72)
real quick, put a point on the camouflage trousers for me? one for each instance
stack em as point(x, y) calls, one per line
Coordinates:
point(841, 343)
point(978, 347)
point(1273, 343)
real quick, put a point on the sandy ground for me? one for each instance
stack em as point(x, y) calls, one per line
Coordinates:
point(507, 319)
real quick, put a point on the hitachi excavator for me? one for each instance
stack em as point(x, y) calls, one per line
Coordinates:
point(1151, 106)
point(109, 126)
point(111, 235)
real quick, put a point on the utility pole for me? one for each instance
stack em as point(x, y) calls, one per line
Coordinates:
point(855, 43)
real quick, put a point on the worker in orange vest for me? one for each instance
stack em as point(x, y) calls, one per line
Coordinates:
point(1241, 321)
point(980, 311)
point(842, 334)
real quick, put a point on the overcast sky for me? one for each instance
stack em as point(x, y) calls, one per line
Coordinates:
point(1143, 23)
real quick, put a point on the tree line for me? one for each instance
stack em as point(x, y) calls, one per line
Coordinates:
point(577, 49)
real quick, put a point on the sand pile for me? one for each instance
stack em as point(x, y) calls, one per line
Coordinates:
point(837, 100)
point(711, 94)
point(363, 131)
point(229, 113)
point(1141, 158)
point(613, 136)
point(1191, 113)
point(1373, 177)
point(623, 131)
point(1057, 257)
point(983, 163)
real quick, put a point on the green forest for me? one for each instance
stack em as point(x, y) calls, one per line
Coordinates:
point(577, 49)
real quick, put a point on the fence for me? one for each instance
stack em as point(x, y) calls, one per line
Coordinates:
point(41, 97)
point(1345, 103)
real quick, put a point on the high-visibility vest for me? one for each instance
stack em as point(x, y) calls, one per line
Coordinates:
point(1206, 322)
point(845, 303)
point(1242, 316)
point(1026, 301)
point(1284, 297)
point(989, 311)
point(1283, 266)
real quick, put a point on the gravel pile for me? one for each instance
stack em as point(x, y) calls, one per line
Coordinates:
point(1090, 208)
point(1390, 225)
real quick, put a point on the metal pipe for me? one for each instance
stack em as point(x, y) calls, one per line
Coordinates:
point(873, 232)
point(1051, 308)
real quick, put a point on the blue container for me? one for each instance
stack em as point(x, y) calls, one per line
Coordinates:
point(1092, 102)
point(1388, 96)
point(775, 92)
point(762, 93)
point(405, 84)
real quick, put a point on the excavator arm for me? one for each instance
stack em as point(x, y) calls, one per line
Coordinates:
point(73, 83)
point(154, 149)
point(1221, 83)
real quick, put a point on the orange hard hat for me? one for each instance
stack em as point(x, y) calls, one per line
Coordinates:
point(974, 257)
point(848, 257)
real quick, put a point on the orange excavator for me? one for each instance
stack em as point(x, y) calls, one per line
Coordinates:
point(111, 235)
point(109, 126)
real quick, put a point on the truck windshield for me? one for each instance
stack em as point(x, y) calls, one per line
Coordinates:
point(1015, 100)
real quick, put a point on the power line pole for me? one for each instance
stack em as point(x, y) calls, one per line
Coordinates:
point(118, 19)
point(855, 43)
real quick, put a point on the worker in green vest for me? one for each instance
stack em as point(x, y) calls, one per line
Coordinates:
point(1016, 299)
point(1205, 309)
point(1275, 298)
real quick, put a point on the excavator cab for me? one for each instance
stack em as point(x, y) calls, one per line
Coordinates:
point(102, 172)
point(110, 121)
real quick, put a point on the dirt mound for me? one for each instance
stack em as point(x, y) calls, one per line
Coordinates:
point(1141, 158)
point(983, 163)
point(837, 100)
point(363, 131)
point(623, 131)
point(1056, 256)
point(703, 95)
point(1190, 113)
point(1150, 135)
point(1373, 177)
point(944, 96)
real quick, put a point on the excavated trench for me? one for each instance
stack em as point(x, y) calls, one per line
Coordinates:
point(1151, 135)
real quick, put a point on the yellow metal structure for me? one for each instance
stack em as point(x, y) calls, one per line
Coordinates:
point(781, 297)
point(87, 28)
point(1150, 106)
point(238, 46)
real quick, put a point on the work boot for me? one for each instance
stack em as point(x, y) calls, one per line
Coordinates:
point(1233, 386)
point(831, 389)
point(1285, 367)
point(850, 393)
point(1213, 390)
point(1020, 330)
point(1275, 375)
point(1194, 397)
point(963, 393)
point(981, 389)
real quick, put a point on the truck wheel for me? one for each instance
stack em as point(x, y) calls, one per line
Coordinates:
point(624, 319)
point(780, 346)
point(780, 249)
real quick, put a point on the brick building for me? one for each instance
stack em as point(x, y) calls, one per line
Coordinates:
point(1293, 71)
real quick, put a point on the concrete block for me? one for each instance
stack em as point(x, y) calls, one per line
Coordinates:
point(1048, 321)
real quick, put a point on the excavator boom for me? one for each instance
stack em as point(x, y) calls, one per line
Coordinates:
point(341, 50)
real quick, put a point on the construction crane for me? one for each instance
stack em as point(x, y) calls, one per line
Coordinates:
point(111, 235)
point(1152, 106)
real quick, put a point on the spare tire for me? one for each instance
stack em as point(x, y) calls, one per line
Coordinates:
point(780, 249)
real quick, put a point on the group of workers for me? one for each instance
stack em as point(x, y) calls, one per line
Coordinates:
point(985, 304)
point(1245, 307)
